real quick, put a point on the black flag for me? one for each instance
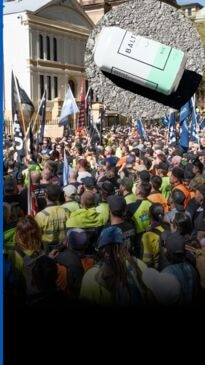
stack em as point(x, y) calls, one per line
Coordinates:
point(18, 138)
point(20, 102)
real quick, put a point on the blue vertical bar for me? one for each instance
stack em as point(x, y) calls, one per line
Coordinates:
point(1, 172)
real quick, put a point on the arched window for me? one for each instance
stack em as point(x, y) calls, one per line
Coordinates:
point(55, 50)
point(40, 46)
point(72, 86)
point(48, 48)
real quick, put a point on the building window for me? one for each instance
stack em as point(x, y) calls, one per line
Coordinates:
point(55, 79)
point(49, 87)
point(42, 86)
point(40, 46)
point(54, 49)
point(48, 48)
point(72, 86)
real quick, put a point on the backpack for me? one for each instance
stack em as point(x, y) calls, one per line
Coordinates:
point(28, 264)
point(162, 258)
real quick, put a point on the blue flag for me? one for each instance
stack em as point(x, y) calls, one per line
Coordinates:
point(185, 111)
point(140, 129)
point(65, 170)
point(184, 134)
point(165, 121)
point(194, 133)
point(172, 138)
point(69, 107)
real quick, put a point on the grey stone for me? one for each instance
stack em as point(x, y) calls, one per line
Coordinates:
point(155, 20)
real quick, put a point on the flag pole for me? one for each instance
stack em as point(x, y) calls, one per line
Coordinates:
point(37, 114)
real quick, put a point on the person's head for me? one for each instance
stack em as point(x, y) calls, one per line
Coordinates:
point(162, 169)
point(35, 177)
point(87, 200)
point(156, 182)
point(88, 182)
point(197, 166)
point(177, 175)
point(117, 205)
point(174, 244)
point(176, 160)
point(70, 191)
point(182, 223)
point(156, 212)
point(200, 194)
point(10, 187)
point(143, 189)
point(77, 239)
point(28, 234)
point(106, 188)
point(178, 198)
point(53, 193)
point(144, 176)
point(126, 184)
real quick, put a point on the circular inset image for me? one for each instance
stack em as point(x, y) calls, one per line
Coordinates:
point(147, 93)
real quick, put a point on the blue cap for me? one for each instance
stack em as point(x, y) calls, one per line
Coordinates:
point(109, 236)
point(77, 238)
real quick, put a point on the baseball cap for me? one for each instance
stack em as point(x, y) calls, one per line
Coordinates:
point(117, 205)
point(107, 187)
point(88, 181)
point(197, 181)
point(127, 182)
point(70, 190)
point(164, 286)
point(198, 164)
point(111, 161)
point(109, 236)
point(77, 238)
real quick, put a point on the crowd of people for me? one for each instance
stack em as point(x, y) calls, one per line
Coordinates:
point(126, 228)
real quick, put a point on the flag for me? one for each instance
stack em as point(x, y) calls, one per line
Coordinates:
point(21, 103)
point(18, 138)
point(32, 201)
point(81, 117)
point(69, 107)
point(194, 132)
point(185, 111)
point(140, 129)
point(65, 170)
point(184, 134)
point(184, 125)
point(42, 113)
point(165, 121)
point(172, 136)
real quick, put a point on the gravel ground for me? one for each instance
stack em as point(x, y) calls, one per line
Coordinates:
point(161, 22)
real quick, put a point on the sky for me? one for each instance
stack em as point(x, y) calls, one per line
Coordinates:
point(202, 2)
